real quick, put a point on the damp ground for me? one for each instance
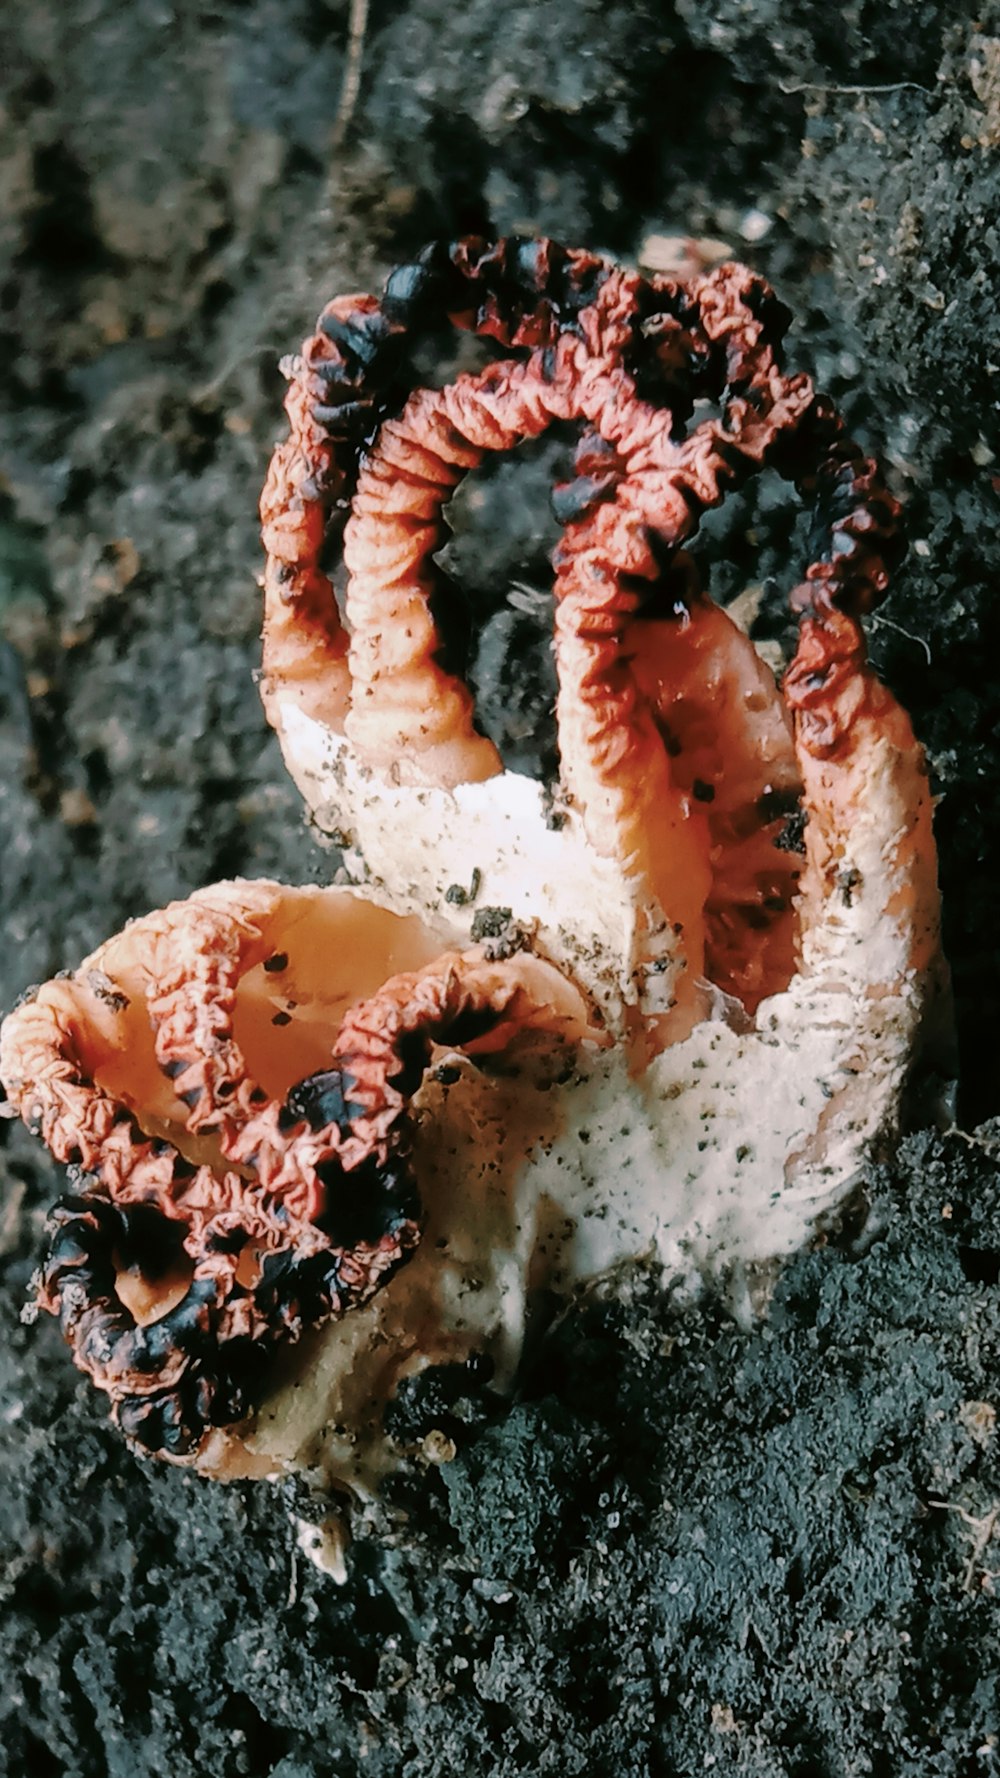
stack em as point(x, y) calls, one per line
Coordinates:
point(684, 1545)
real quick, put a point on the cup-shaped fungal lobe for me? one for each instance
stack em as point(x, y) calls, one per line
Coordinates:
point(233, 1082)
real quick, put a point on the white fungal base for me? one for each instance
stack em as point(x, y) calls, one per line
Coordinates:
point(501, 844)
point(728, 1150)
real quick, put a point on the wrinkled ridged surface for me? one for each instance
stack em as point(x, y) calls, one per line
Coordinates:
point(303, 1208)
point(627, 358)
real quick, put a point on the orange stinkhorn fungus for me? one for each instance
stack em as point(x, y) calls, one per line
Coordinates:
point(727, 927)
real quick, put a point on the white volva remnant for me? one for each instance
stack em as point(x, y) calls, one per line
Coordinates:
point(726, 1150)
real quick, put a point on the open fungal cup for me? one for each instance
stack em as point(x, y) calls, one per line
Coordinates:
point(237, 1081)
point(712, 950)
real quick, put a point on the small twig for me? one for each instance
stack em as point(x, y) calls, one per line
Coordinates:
point(879, 621)
point(357, 31)
point(983, 1528)
point(986, 1144)
point(235, 363)
point(814, 86)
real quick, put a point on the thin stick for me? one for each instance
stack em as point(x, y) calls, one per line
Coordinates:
point(357, 31)
point(895, 86)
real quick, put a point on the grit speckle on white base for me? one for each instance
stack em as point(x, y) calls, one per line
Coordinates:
point(409, 847)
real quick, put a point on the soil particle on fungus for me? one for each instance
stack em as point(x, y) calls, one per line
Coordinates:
point(685, 1546)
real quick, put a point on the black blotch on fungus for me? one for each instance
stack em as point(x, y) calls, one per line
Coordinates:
point(293, 1294)
point(367, 1202)
point(322, 1101)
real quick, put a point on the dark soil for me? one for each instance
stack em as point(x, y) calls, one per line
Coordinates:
point(683, 1547)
